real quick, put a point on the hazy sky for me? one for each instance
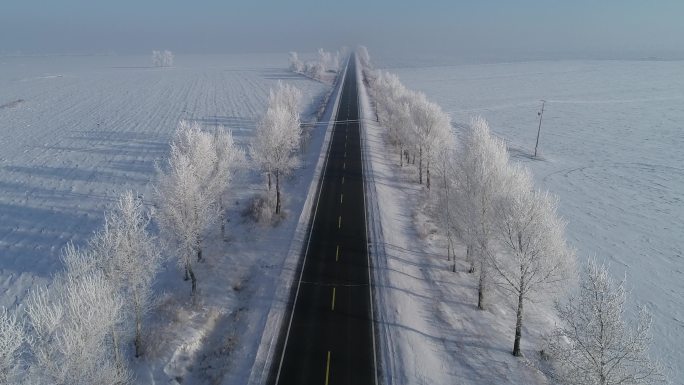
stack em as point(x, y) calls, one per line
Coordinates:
point(470, 26)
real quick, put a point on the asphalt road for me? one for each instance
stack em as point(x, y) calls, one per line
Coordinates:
point(330, 338)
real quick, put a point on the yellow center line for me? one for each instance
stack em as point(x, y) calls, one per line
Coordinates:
point(337, 253)
point(344, 166)
point(327, 369)
point(333, 300)
point(345, 154)
point(341, 197)
point(342, 180)
point(339, 222)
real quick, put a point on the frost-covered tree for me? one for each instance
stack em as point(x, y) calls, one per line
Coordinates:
point(482, 166)
point(275, 144)
point(167, 58)
point(393, 110)
point(12, 339)
point(186, 206)
point(296, 65)
point(315, 69)
point(229, 159)
point(286, 96)
point(402, 129)
point(325, 59)
point(364, 56)
point(535, 260)
point(130, 259)
point(216, 156)
point(594, 344)
point(70, 332)
point(211, 168)
point(156, 58)
point(432, 126)
point(445, 169)
point(162, 58)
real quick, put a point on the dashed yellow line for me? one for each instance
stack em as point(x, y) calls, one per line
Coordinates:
point(341, 197)
point(327, 369)
point(332, 307)
point(342, 180)
point(337, 253)
point(339, 222)
point(344, 166)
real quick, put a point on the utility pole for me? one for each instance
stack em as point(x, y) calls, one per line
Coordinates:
point(541, 115)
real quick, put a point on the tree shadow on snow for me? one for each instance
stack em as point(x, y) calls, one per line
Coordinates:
point(280, 74)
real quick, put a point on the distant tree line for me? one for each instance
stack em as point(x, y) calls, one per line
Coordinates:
point(316, 69)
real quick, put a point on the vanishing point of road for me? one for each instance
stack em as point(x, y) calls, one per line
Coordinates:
point(329, 339)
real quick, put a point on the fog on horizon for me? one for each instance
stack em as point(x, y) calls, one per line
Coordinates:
point(485, 29)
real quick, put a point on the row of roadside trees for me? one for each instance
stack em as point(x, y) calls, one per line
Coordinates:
point(79, 329)
point(512, 235)
point(325, 61)
point(82, 328)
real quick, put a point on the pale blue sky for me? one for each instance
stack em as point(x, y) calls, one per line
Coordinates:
point(474, 27)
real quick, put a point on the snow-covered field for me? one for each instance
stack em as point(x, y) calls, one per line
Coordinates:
point(611, 148)
point(77, 131)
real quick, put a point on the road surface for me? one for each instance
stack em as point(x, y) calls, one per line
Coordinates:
point(329, 340)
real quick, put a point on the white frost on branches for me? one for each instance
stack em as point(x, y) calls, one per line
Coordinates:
point(316, 69)
point(277, 139)
point(71, 329)
point(482, 162)
point(535, 259)
point(190, 188)
point(12, 338)
point(162, 58)
point(296, 65)
point(130, 259)
point(594, 344)
point(185, 206)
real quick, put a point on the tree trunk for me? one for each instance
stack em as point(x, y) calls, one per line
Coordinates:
point(427, 174)
point(401, 156)
point(469, 258)
point(269, 181)
point(199, 250)
point(138, 333)
point(518, 325)
point(186, 276)
point(277, 175)
point(193, 279)
point(222, 218)
point(420, 165)
point(117, 354)
point(481, 286)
